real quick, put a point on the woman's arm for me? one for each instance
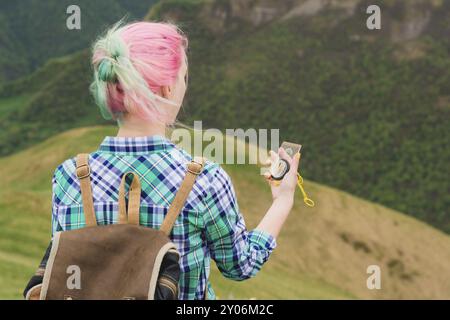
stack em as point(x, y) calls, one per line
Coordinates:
point(239, 253)
point(283, 196)
point(33, 288)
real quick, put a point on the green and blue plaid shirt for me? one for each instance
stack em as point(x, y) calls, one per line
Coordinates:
point(209, 226)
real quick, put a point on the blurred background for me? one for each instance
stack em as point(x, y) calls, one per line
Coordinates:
point(371, 108)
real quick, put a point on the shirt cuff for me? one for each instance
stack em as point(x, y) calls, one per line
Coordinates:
point(263, 239)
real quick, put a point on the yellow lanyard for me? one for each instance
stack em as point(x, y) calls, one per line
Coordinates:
point(309, 202)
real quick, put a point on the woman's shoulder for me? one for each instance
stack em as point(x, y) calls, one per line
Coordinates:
point(65, 169)
point(210, 168)
point(213, 176)
point(212, 172)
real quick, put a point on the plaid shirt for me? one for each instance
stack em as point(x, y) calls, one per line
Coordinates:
point(209, 226)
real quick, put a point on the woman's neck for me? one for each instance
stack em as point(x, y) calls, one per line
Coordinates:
point(135, 127)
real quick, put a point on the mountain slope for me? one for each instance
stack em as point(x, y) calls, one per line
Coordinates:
point(371, 108)
point(322, 252)
point(53, 99)
point(34, 31)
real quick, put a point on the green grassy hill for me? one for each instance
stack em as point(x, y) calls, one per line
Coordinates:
point(371, 107)
point(322, 252)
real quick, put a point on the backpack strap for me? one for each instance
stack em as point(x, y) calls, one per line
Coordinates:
point(134, 200)
point(194, 168)
point(83, 173)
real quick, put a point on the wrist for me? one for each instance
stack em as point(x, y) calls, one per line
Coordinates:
point(286, 199)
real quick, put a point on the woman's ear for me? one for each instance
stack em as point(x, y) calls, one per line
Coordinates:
point(165, 91)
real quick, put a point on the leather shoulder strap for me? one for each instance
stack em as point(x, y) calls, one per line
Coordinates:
point(84, 173)
point(194, 168)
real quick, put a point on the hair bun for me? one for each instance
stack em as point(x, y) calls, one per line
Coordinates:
point(106, 71)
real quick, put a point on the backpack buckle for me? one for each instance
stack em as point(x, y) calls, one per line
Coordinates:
point(196, 172)
point(83, 171)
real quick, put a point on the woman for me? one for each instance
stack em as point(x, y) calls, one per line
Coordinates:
point(140, 79)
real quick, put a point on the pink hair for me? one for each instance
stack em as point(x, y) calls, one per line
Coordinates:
point(132, 62)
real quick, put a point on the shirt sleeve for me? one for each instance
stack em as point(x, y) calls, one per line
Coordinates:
point(238, 253)
point(56, 226)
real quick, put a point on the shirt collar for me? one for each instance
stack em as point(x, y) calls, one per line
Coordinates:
point(135, 145)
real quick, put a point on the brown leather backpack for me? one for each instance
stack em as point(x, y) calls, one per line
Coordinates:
point(116, 261)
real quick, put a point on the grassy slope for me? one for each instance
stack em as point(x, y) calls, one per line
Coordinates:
point(322, 252)
point(371, 113)
point(53, 99)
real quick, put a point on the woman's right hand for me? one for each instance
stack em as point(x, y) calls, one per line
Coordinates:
point(282, 193)
point(285, 188)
